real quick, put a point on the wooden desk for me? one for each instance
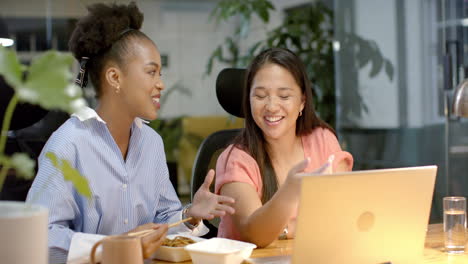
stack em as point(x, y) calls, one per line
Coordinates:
point(434, 248)
point(433, 252)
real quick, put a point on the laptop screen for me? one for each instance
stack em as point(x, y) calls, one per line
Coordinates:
point(374, 216)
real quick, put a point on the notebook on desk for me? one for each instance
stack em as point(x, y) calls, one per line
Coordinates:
point(364, 217)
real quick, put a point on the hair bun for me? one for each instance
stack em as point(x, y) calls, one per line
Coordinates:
point(102, 26)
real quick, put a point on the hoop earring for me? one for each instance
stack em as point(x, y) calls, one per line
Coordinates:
point(117, 89)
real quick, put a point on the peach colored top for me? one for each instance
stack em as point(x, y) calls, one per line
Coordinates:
point(318, 145)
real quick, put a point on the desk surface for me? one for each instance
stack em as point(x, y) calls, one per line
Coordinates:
point(433, 252)
point(434, 246)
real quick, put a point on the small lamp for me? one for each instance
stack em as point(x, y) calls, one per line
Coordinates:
point(460, 104)
point(5, 39)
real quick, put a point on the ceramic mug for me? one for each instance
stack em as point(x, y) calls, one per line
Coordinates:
point(119, 250)
point(23, 233)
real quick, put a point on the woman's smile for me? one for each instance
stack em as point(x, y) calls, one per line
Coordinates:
point(156, 103)
point(273, 120)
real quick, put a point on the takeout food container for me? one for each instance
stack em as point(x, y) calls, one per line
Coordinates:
point(174, 254)
point(220, 251)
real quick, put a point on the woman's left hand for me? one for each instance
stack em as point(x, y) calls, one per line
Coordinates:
point(207, 205)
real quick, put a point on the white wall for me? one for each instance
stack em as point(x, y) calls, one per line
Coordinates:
point(182, 31)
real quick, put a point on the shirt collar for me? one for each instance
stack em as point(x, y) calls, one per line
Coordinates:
point(88, 113)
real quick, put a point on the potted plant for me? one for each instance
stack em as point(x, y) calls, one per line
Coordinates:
point(307, 30)
point(170, 131)
point(47, 83)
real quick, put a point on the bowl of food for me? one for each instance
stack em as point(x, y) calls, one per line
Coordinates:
point(173, 250)
point(220, 251)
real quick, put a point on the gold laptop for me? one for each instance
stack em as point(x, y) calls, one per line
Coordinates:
point(364, 217)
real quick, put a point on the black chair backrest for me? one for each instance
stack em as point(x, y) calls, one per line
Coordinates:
point(229, 84)
point(24, 115)
point(229, 90)
point(207, 155)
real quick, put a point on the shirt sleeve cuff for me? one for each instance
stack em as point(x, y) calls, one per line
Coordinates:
point(199, 230)
point(80, 247)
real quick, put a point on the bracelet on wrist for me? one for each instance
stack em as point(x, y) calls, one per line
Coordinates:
point(184, 215)
point(284, 234)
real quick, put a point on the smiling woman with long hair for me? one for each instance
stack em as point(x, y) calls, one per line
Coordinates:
point(282, 136)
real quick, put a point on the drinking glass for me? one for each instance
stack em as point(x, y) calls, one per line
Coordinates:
point(455, 224)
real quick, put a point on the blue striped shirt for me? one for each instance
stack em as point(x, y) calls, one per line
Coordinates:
point(126, 193)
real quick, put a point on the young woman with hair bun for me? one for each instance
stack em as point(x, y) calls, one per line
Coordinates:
point(122, 158)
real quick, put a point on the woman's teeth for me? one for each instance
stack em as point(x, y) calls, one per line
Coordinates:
point(273, 118)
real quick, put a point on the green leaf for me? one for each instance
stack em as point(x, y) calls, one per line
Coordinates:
point(10, 68)
point(389, 69)
point(376, 59)
point(171, 132)
point(51, 156)
point(269, 5)
point(264, 15)
point(49, 83)
point(363, 55)
point(233, 48)
point(214, 15)
point(262, 8)
point(71, 174)
point(23, 164)
point(217, 54)
point(80, 182)
point(252, 51)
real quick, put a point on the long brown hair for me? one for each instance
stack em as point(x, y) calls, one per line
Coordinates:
point(251, 139)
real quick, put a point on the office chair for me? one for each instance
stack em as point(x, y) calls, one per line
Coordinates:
point(229, 88)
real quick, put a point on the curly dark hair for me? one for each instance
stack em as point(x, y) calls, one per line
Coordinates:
point(106, 34)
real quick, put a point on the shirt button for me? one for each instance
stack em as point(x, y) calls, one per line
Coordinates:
point(126, 221)
point(124, 186)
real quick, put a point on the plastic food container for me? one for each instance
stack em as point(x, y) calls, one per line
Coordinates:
point(220, 251)
point(174, 254)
